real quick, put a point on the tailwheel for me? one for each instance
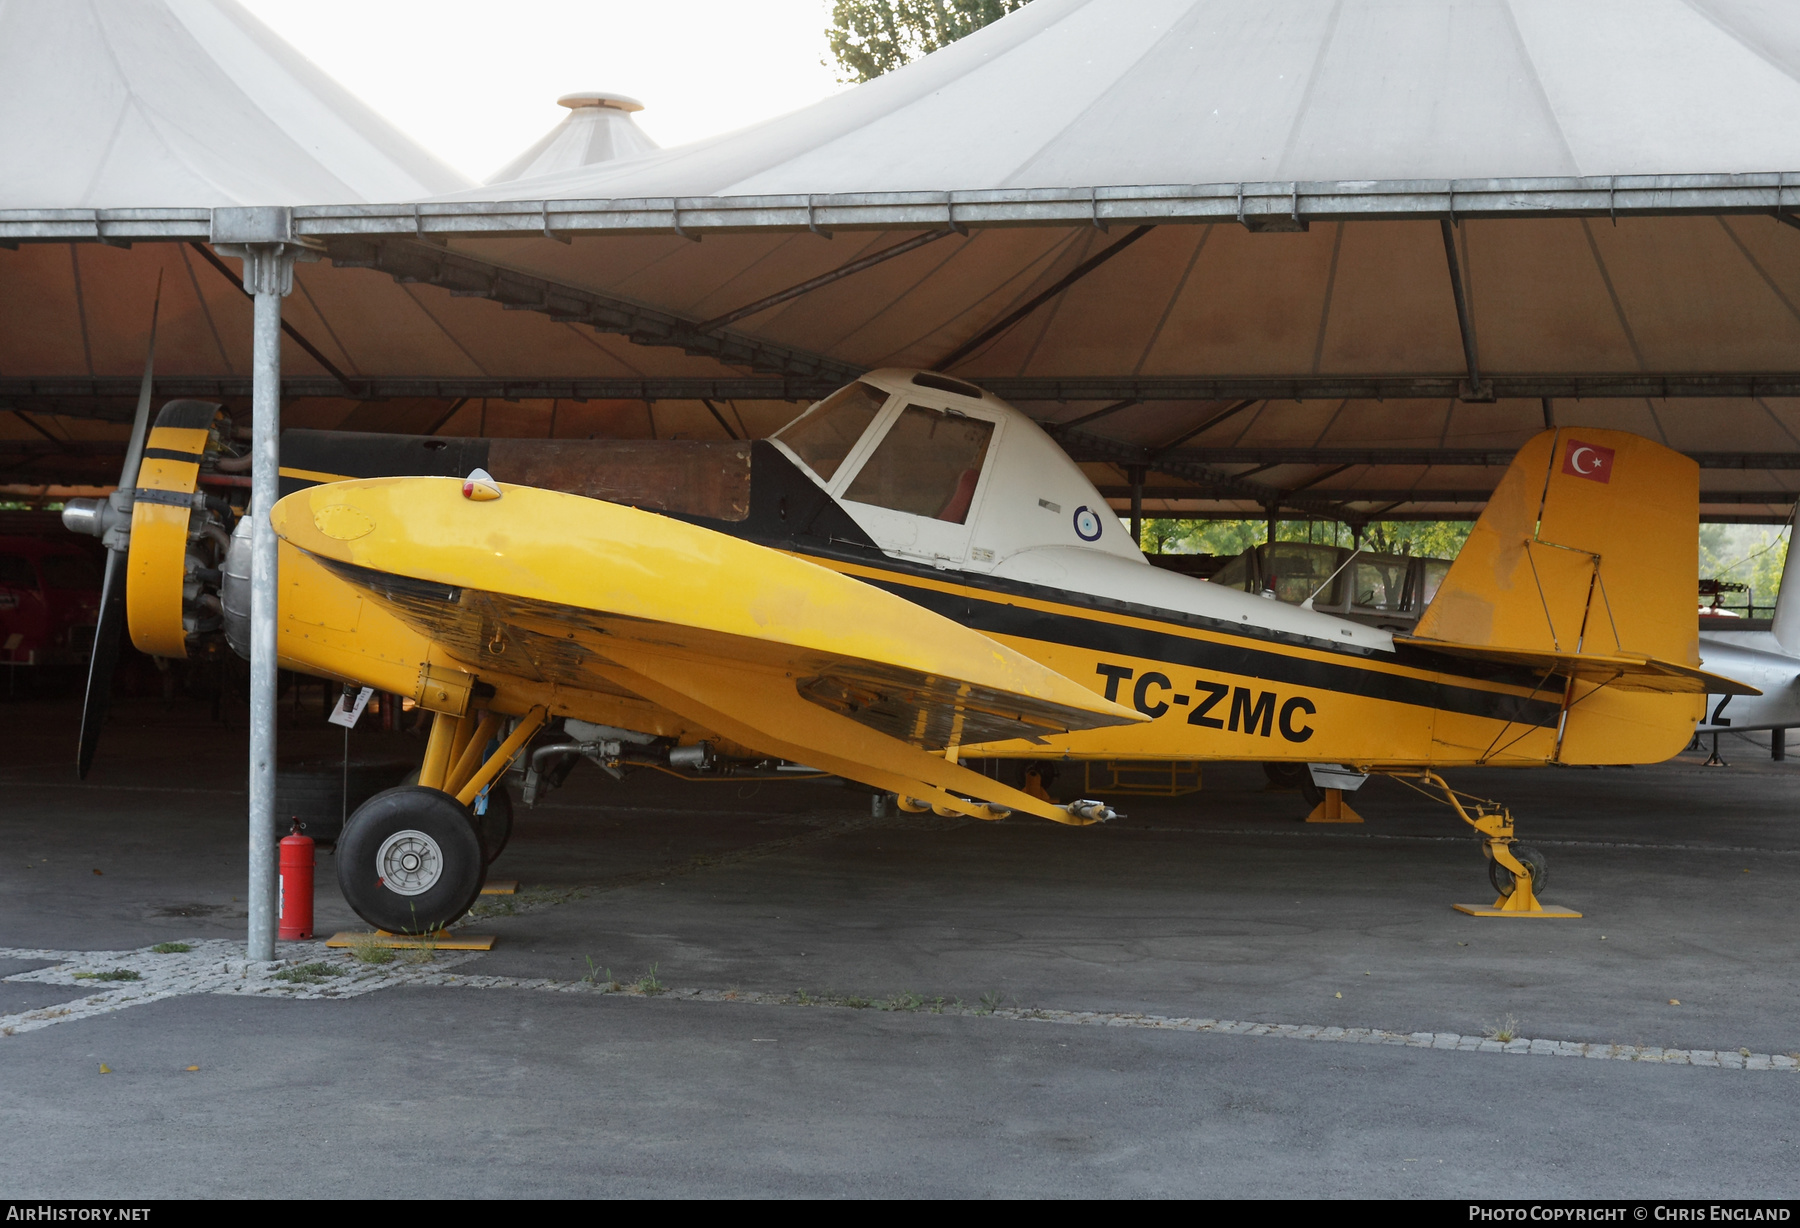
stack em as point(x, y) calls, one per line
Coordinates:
point(1505, 881)
point(410, 861)
point(1287, 775)
point(1517, 871)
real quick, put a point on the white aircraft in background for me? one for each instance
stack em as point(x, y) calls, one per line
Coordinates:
point(1766, 659)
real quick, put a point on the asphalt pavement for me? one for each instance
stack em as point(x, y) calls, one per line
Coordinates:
point(747, 989)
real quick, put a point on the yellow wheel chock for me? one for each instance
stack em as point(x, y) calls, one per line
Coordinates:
point(1495, 823)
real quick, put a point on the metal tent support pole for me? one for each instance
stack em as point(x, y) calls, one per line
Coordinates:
point(264, 480)
point(268, 255)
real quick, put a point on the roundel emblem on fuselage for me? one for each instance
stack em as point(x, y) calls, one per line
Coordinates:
point(1087, 524)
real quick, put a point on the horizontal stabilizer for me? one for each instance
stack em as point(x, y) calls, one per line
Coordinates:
point(1620, 672)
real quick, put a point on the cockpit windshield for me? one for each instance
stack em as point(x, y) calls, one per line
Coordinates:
point(824, 434)
point(928, 464)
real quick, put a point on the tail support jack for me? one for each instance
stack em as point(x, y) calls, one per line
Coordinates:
point(1495, 823)
point(1333, 809)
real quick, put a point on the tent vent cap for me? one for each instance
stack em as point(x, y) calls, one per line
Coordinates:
point(600, 98)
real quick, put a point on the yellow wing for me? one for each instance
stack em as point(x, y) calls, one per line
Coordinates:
point(779, 653)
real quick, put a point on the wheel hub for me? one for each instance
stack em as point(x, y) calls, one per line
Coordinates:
point(409, 863)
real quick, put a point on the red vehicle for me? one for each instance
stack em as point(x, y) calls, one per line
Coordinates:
point(49, 603)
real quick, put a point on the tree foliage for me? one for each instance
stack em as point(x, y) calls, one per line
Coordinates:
point(1438, 539)
point(872, 37)
point(1754, 555)
point(1746, 554)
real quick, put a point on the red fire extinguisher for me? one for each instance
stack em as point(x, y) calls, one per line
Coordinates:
point(296, 885)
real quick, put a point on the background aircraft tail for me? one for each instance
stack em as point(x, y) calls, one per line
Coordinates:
point(1583, 565)
point(1786, 625)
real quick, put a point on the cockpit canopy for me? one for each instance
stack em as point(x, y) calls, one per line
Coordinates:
point(936, 469)
point(928, 462)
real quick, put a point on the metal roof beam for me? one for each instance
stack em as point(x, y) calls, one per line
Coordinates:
point(1283, 203)
point(1205, 425)
point(1465, 319)
point(1063, 283)
point(1085, 447)
point(1426, 387)
point(822, 280)
point(36, 391)
point(466, 276)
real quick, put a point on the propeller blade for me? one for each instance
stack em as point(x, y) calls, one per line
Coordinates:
point(104, 659)
point(111, 628)
point(140, 423)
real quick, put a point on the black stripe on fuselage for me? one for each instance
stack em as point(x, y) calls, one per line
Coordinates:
point(171, 454)
point(1245, 660)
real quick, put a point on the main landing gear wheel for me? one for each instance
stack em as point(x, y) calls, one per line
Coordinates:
point(1286, 775)
point(1531, 859)
point(409, 861)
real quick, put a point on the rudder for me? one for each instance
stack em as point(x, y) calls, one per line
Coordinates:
point(1584, 559)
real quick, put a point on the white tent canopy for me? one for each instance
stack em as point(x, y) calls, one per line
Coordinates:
point(163, 107)
point(1086, 93)
point(1385, 243)
point(184, 102)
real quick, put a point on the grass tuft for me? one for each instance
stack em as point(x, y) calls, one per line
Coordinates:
point(117, 974)
point(309, 974)
point(172, 948)
point(648, 985)
point(368, 949)
point(1505, 1031)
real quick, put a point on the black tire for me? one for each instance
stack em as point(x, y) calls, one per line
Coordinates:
point(495, 827)
point(1308, 790)
point(1531, 859)
point(440, 828)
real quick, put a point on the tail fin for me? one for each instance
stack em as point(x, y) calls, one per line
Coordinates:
point(1786, 625)
point(1583, 564)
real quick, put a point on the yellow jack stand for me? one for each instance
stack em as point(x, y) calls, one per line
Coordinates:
point(443, 940)
point(1333, 810)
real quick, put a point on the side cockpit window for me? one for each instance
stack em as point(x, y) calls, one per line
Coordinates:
point(928, 465)
point(824, 434)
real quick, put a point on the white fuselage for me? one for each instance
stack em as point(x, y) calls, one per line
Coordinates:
point(1758, 658)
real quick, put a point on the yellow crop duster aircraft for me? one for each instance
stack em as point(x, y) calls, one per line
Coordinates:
point(909, 577)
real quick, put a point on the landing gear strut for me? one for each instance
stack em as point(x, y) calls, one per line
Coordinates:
point(1517, 871)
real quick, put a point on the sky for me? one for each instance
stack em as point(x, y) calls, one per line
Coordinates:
point(475, 89)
